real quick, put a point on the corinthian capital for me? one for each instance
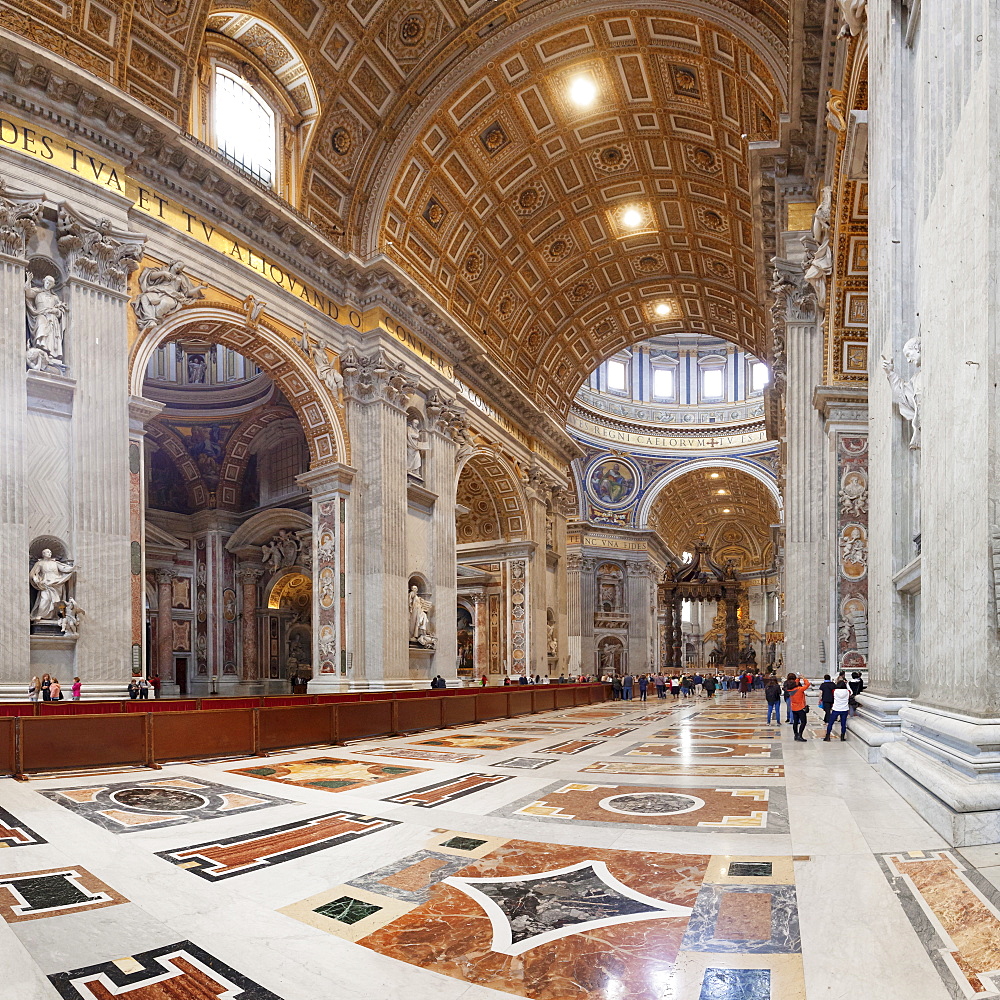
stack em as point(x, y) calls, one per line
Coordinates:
point(377, 376)
point(96, 251)
point(18, 219)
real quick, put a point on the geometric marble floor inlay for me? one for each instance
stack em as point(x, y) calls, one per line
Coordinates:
point(332, 774)
point(13, 833)
point(31, 895)
point(128, 806)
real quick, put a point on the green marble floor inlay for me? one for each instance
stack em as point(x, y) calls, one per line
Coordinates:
point(347, 910)
point(463, 843)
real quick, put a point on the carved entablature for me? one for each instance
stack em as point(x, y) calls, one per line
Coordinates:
point(376, 377)
point(96, 251)
point(19, 214)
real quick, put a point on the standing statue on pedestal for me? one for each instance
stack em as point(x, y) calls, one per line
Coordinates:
point(163, 290)
point(46, 324)
point(419, 620)
point(49, 577)
point(907, 392)
point(415, 448)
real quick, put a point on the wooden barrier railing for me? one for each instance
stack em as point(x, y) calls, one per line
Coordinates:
point(149, 735)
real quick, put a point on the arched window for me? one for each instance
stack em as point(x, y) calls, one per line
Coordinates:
point(244, 126)
point(759, 376)
point(617, 376)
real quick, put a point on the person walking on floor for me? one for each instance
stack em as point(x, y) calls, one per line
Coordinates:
point(772, 695)
point(76, 689)
point(696, 683)
point(788, 685)
point(709, 684)
point(826, 696)
point(840, 710)
point(643, 685)
point(745, 681)
point(627, 687)
point(661, 686)
point(675, 687)
point(800, 710)
point(616, 689)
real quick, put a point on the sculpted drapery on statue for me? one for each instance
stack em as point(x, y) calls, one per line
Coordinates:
point(419, 619)
point(416, 445)
point(906, 392)
point(281, 550)
point(854, 13)
point(821, 261)
point(46, 314)
point(49, 577)
point(163, 290)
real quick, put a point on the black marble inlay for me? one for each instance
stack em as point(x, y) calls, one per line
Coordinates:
point(49, 892)
point(546, 904)
point(652, 803)
point(159, 799)
point(758, 869)
point(463, 843)
point(347, 910)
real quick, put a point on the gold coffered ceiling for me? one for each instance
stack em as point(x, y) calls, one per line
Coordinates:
point(731, 508)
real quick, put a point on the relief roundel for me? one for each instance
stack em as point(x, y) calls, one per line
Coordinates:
point(613, 482)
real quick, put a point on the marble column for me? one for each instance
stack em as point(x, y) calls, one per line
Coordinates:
point(330, 486)
point(807, 567)
point(557, 577)
point(21, 216)
point(377, 387)
point(249, 577)
point(574, 613)
point(588, 606)
point(99, 260)
point(538, 490)
point(164, 664)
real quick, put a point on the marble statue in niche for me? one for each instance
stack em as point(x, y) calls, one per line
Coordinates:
point(49, 576)
point(46, 314)
point(419, 619)
point(71, 617)
point(821, 262)
point(281, 550)
point(163, 290)
point(907, 392)
point(196, 367)
point(415, 448)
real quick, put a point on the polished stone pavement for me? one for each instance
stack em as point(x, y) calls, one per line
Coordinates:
point(655, 851)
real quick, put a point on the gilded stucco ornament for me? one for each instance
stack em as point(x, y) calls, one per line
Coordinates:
point(907, 392)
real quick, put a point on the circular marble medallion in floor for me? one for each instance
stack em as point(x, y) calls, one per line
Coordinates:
point(159, 799)
point(651, 803)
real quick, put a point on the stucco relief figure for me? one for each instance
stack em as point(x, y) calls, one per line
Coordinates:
point(163, 290)
point(854, 547)
point(854, 496)
point(907, 392)
point(46, 314)
point(326, 369)
point(49, 577)
point(281, 550)
point(854, 13)
point(821, 262)
point(551, 640)
point(419, 620)
point(196, 369)
point(415, 448)
point(71, 617)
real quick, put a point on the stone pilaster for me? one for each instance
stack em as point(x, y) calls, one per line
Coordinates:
point(538, 492)
point(330, 486)
point(164, 661)
point(588, 607)
point(574, 613)
point(376, 388)
point(99, 260)
point(249, 579)
point(641, 623)
point(807, 566)
point(20, 214)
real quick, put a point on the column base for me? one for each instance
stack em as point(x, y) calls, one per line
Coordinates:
point(948, 767)
point(877, 723)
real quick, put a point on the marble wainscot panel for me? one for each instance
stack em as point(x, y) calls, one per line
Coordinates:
point(752, 810)
point(248, 852)
point(447, 791)
point(525, 763)
point(127, 806)
point(175, 972)
point(572, 746)
point(332, 774)
point(681, 769)
point(52, 892)
point(415, 753)
point(536, 920)
point(743, 752)
point(473, 742)
point(956, 914)
point(13, 833)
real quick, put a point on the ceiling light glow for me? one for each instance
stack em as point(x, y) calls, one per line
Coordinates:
point(726, 510)
point(631, 218)
point(663, 309)
point(714, 475)
point(582, 91)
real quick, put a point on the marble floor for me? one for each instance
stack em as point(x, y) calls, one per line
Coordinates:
point(629, 851)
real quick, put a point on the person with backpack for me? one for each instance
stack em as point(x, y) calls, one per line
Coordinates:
point(772, 695)
point(800, 710)
point(787, 686)
point(826, 696)
point(839, 710)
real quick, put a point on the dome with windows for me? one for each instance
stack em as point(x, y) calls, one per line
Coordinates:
point(674, 381)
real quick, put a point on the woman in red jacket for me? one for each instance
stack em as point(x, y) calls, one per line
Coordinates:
point(797, 700)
